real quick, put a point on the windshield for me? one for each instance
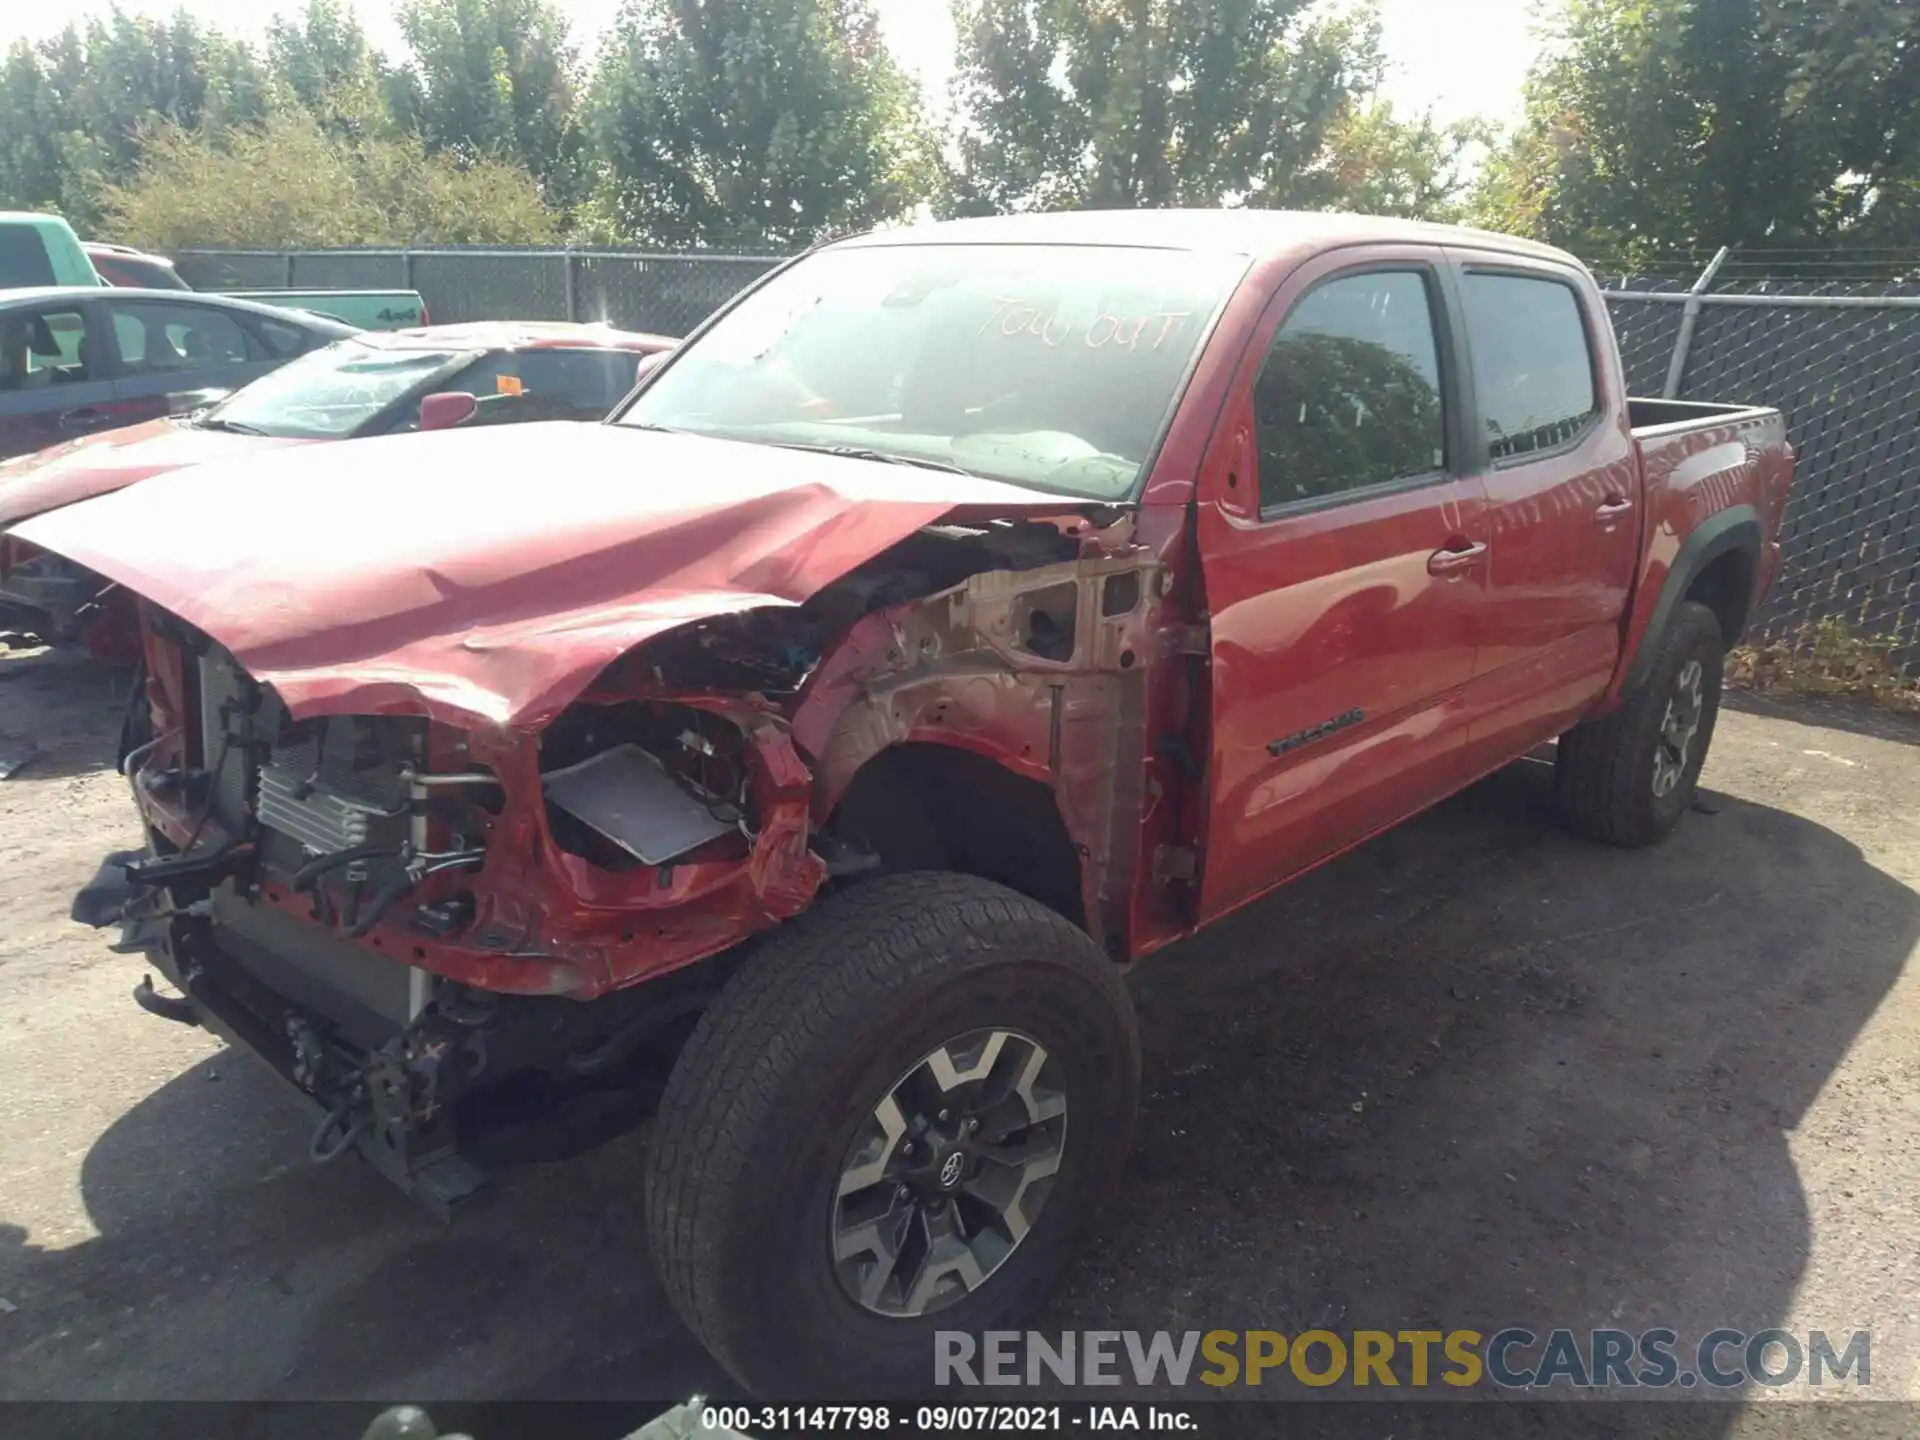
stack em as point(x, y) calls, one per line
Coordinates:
point(1051, 366)
point(330, 393)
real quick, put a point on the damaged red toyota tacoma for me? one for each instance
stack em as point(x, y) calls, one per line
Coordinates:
point(800, 757)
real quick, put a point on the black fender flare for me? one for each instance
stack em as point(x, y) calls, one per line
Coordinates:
point(1738, 527)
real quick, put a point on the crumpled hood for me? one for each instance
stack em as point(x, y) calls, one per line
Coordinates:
point(97, 464)
point(492, 573)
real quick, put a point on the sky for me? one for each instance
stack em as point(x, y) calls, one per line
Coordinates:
point(1459, 58)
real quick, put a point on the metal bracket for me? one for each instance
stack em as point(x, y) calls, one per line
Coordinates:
point(1187, 639)
point(1173, 863)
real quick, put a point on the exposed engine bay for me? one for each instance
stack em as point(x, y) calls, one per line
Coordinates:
point(395, 907)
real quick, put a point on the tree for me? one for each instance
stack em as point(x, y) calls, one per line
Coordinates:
point(322, 62)
point(1184, 102)
point(33, 171)
point(1857, 86)
point(1662, 125)
point(1379, 162)
point(754, 123)
point(76, 105)
point(287, 182)
point(495, 77)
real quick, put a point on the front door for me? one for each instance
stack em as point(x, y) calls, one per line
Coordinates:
point(55, 383)
point(1344, 550)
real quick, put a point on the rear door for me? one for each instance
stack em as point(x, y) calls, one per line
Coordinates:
point(1344, 550)
point(56, 381)
point(1562, 482)
point(168, 351)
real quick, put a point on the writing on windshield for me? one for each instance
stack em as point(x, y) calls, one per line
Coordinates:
point(1051, 366)
point(1020, 317)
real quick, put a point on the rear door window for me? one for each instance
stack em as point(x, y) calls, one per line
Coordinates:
point(278, 341)
point(156, 337)
point(1532, 362)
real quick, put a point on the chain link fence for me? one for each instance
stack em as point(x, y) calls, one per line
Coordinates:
point(669, 294)
point(1841, 359)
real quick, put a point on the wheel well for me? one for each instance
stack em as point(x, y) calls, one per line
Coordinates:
point(937, 807)
point(1725, 586)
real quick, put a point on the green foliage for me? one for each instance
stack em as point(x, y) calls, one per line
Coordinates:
point(496, 77)
point(287, 182)
point(1185, 102)
point(73, 107)
point(1659, 125)
point(752, 123)
point(1651, 126)
point(321, 62)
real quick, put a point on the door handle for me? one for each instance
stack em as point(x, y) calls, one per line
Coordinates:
point(1612, 510)
point(1451, 562)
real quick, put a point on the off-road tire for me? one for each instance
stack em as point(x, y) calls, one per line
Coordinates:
point(771, 1089)
point(1604, 773)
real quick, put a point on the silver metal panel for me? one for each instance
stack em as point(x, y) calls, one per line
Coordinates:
point(628, 796)
point(369, 995)
point(221, 684)
point(323, 823)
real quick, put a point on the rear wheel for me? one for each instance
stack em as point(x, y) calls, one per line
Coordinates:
point(894, 1121)
point(1628, 778)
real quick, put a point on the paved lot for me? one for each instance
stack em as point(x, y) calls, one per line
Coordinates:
point(1477, 1073)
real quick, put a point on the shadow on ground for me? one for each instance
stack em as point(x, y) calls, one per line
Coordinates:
point(1829, 712)
point(1475, 1074)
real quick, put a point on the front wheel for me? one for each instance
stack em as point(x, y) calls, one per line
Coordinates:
point(1627, 779)
point(894, 1121)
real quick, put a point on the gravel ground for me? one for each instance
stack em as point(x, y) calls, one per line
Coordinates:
point(1474, 1074)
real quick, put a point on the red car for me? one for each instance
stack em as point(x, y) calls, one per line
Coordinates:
point(962, 614)
point(367, 384)
point(124, 265)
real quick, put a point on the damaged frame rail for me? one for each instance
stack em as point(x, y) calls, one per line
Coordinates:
point(504, 924)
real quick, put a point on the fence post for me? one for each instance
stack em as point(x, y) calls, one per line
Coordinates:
point(406, 270)
point(1690, 317)
point(286, 271)
point(572, 262)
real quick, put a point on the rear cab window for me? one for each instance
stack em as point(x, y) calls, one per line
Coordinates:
point(1533, 361)
point(554, 384)
point(139, 274)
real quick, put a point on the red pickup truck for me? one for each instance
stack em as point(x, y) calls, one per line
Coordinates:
point(800, 757)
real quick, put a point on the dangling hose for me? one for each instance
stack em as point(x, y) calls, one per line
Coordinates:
point(323, 1149)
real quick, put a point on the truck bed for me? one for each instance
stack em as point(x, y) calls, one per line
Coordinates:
point(1660, 416)
point(1716, 479)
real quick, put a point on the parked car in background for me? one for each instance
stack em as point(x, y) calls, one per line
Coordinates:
point(963, 613)
point(124, 266)
point(74, 360)
point(41, 250)
point(361, 385)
